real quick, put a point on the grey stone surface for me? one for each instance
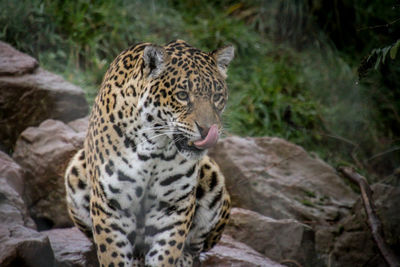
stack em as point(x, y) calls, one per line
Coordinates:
point(80, 125)
point(281, 180)
point(44, 152)
point(20, 243)
point(12, 173)
point(22, 246)
point(12, 208)
point(13, 62)
point(353, 242)
point(72, 248)
point(279, 240)
point(231, 253)
point(30, 95)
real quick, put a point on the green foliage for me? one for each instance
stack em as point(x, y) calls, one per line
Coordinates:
point(26, 25)
point(289, 78)
point(310, 194)
point(271, 100)
point(393, 49)
point(378, 57)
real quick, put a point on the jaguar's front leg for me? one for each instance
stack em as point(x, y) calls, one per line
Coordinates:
point(113, 202)
point(166, 230)
point(212, 209)
point(113, 235)
point(169, 217)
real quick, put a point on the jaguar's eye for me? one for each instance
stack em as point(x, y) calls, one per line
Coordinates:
point(182, 95)
point(217, 97)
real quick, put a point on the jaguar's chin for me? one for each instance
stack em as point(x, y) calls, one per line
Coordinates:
point(186, 148)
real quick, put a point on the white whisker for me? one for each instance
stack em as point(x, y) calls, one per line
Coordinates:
point(184, 128)
point(155, 128)
point(149, 138)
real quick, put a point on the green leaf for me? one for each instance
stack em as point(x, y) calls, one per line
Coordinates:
point(384, 53)
point(393, 50)
point(373, 52)
point(378, 61)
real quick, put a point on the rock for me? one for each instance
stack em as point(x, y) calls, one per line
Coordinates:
point(13, 62)
point(72, 248)
point(33, 96)
point(354, 245)
point(20, 244)
point(44, 152)
point(80, 125)
point(279, 240)
point(280, 180)
point(229, 252)
point(12, 208)
point(386, 199)
point(12, 173)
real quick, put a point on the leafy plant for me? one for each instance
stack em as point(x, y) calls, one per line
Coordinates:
point(377, 57)
point(273, 100)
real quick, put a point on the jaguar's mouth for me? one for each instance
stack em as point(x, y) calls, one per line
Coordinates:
point(183, 143)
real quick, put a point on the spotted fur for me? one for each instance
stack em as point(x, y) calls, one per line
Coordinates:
point(139, 187)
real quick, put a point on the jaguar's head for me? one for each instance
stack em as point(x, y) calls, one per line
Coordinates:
point(189, 93)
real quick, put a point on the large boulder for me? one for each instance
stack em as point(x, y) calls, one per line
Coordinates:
point(12, 173)
point(12, 208)
point(80, 125)
point(13, 62)
point(20, 244)
point(44, 153)
point(354, 245)
point(72, 248)
point(279, 240)
point(30, 95)
point(386, 198)
point(229, 252)
point(281, 180)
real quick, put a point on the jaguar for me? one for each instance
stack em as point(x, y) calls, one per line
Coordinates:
point(142, 187)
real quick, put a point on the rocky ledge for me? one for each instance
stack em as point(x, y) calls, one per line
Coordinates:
point(30, 95)
point(290, 207)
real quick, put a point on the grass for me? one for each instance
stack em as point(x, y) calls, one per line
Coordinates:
point(293, 89)
point(307, 203)
point(310, 194)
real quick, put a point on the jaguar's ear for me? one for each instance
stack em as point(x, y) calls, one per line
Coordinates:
point(223, 56)
point(154, 58)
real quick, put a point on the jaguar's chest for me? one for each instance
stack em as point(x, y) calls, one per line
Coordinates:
point(148, 177)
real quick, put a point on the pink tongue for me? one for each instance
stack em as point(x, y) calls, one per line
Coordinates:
point(210, 140)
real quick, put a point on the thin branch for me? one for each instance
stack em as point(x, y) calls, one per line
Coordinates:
point(347, 141)
point(373, 221)
point(384, 153)
point(340, 138)
point(379, 26)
